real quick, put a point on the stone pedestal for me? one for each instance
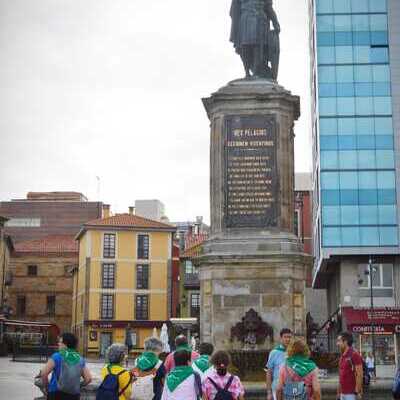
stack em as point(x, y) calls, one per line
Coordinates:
point(252, 259)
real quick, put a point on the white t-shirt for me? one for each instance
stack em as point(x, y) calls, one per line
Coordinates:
point(370, 362)
point(186, 390)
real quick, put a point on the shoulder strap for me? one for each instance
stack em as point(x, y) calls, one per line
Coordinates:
point(127, 385)
point(229, 383)
point(214, 384)
point(199, 388)
point(289, 375)
point(121, 372)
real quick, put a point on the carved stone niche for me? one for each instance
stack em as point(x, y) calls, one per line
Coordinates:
point(252, 333)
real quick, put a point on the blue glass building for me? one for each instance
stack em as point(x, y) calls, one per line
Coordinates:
point(355, 47)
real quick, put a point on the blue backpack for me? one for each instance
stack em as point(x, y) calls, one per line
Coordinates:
point(109, 388)
point(294, 390)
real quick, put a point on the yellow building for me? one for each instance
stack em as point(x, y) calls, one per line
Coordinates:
point(121, 286)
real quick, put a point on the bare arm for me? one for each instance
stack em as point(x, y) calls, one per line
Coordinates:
point(45, 372)
point(269, 383)
point(359, 379)
point(316, 386)
point(86, 375)
point(281, 382)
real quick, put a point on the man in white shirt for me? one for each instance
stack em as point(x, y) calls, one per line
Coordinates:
point(182, 382)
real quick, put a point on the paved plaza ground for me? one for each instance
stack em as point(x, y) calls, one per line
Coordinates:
point(16, 379)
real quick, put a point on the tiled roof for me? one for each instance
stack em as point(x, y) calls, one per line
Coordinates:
point(54, 244)
point(129, 221)
point(193, 245)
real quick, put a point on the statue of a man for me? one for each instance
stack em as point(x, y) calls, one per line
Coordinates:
point(253, 39)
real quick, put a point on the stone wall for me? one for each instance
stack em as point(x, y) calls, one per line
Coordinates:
point(53, 279)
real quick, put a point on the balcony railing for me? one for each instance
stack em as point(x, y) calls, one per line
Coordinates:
point(191, 280)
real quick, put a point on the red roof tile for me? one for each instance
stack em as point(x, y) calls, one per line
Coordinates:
point(193, 245)
point(129, 221)
point(54, 244)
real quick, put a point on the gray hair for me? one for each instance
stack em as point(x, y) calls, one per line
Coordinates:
point(153, 344)
point(115, 353)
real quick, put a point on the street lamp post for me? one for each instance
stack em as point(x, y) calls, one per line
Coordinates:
point(371, 272)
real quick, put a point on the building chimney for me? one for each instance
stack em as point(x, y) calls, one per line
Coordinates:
point(106, 211)
point(132, 210)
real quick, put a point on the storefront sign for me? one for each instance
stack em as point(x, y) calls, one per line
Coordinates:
point(376, 329)
point(125, 324)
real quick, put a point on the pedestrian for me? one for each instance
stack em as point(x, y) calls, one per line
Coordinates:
point(181, 343)
point(350, 369)
point(396, 386)
point(220, 384)
point(298, 377)
point(149, 372)
point(66, 367)
point(202, 365)
point(182, 383)
point(276, 359)
point(117, 380)
point(370, 361)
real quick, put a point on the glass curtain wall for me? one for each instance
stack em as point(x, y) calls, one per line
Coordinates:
point(357, 158)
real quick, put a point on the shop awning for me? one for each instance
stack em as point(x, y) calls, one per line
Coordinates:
point(362, 320)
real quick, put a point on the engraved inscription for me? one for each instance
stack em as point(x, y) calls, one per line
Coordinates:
point(251, 181)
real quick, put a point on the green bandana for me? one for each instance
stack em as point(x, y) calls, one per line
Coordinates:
point(280, 347)
point(202, 363)
point(177, 376)
point(70, 356)
point(301, 365)
point(147, 361)
point(184, 347)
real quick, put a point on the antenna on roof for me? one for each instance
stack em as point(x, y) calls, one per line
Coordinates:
point(98, 187)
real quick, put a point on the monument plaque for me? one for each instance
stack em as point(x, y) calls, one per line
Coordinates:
point(251, 174)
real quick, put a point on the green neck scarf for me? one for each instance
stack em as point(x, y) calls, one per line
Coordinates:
point(70, 356)
point(184, 347)
point(147, 361)
point(301, 365)
point(177, 376)
point(203, 363)
point(280, 347)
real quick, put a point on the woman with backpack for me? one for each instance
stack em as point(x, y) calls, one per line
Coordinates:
point(298, 377)
point(67, 368)
point(220, 384)
point(116, 384)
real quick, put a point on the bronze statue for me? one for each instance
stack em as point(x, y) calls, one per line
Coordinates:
point(253, 39)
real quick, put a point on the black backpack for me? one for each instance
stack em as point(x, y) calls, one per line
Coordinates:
point(223, 393)
point(109, 388)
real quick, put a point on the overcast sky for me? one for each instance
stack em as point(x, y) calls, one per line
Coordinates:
point(113, 88)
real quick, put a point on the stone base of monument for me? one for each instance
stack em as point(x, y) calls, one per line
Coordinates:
point(253, 269)
point(252, 272)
